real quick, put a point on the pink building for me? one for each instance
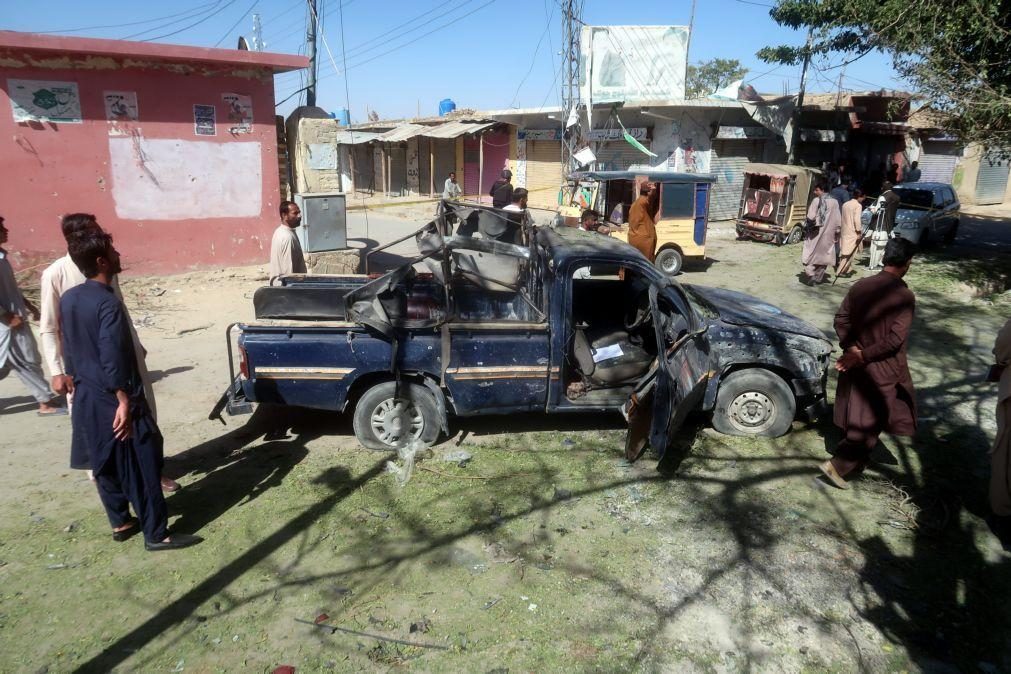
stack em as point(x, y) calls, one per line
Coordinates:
point(173, 148)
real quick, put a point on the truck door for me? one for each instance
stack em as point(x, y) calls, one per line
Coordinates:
point(676, 382)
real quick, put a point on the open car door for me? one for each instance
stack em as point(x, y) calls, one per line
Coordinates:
point(676, 382)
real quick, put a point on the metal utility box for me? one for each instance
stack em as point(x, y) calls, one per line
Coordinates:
point(324, 222)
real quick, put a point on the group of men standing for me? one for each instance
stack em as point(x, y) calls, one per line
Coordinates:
point(95, 358)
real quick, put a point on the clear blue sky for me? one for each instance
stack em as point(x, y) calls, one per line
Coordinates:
point(406, 54)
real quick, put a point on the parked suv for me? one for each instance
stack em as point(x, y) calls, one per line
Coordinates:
point(928, 212)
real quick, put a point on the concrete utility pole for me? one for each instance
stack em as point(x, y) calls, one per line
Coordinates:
point(795, 135)
point(310, 51)
point(688, 44)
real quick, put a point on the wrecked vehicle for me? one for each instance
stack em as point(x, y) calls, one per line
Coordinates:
point(569, 321)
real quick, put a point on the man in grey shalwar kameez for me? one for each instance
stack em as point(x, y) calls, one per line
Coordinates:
point(18, 351)
point(821, 238)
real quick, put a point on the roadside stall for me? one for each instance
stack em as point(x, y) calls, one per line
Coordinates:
point(681, 223)
point(774, 202)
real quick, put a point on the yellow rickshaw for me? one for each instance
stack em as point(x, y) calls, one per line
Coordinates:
point(682, 220)
point(774, 202)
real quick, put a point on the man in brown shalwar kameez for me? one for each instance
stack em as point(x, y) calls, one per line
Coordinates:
point(642, 222)
point(1000, 463)
point(820, 236)
point(852, 232)
point(875, 391)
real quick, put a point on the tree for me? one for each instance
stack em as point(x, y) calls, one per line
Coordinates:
point(955, 54)
point(708, 76)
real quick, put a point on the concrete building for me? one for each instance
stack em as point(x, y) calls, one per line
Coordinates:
point(173, 148)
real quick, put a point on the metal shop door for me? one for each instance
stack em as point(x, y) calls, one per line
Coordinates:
point(727, 162)
point(398, 169)
point(364, 178)
point(991, 183)
point(496, 158)
point(938, 161)
point(544, 172)
point(471, 159)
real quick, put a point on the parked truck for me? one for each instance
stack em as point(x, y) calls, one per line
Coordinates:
point(569, 321)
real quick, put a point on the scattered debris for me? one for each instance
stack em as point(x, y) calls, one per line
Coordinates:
point(421, 626)
point(334, 629)
point(322, 617)
point(532, 607)
point(156, 291)
point(186, 331)
point(489, 604)
point(562, 494)
point(71, 528)
point(284, 669)
point(407, 455)
point(459, 457)
point(381, 514)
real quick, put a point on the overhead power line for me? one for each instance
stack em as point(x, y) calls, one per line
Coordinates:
point(533, 59)
point(192, 25)
point(410, 42)
point(81, 29)
point(162, 26)
point(237, 22)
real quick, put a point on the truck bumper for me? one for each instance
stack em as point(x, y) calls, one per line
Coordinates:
point(233, 401)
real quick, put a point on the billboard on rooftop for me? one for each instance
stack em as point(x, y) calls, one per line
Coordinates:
point(632, 63)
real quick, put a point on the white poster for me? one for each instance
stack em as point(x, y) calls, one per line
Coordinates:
point(521, 162)
point(44, 101)
point(633, 63)
point(240, 112)
point(121, 106)
point(204, 118)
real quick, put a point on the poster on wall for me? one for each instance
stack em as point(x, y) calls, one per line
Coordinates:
point(121, 106)
point(203, 120)
point(240, 112)
point(44, 101)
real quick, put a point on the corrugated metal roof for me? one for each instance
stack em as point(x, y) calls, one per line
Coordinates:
point(347, 137)
point(402, 133)
point(455, 129)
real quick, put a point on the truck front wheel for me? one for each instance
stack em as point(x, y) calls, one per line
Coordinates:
point(669, 261)
point(386, 419)
point(754, 402)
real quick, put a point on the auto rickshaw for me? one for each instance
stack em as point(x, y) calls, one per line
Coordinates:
point(682, 219)
point(774, 202)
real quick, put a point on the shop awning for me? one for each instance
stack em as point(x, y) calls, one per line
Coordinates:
point(348, 137)
point(402, 133)
point(455, 129)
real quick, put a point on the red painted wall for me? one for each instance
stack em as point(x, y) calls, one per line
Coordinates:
point(52, 169)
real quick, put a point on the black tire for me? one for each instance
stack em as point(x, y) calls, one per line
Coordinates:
point(754, 402)
point(669, 261)
point(949, 237)
point(376, 429)
point(795, 235)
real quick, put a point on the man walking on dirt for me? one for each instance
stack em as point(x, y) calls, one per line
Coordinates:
point(852, 232)
point(642, 222)
point(57, 279)
point(875, 390)
point(18, 350)
point(820, 236)
point(285, 251)
point(451, 190)
point(111, 415)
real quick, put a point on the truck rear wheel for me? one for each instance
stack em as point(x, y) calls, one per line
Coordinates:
point(384, 420)
point(754, 402)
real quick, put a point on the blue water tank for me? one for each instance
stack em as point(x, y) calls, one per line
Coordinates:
point(446, 106)
point(343, 117)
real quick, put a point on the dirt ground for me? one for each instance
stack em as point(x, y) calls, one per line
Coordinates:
point(546, 551)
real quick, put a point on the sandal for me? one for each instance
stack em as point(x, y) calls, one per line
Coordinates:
point(125, 534)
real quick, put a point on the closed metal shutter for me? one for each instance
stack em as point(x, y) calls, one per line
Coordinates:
point(471, 164)
point(991, 183)
point(445, 161)
point(544, 172)
point(425, 167)
point(938, 161)
point(617, 155)
point(727, 162)
point(364, 179)
point(397, 157)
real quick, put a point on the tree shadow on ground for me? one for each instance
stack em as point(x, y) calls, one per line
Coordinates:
point(17, 405)
point(944, 600)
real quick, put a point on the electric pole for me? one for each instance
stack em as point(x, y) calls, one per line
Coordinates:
point(688, 44)
point(570, 82)
point(310, 50)
point(795, 131)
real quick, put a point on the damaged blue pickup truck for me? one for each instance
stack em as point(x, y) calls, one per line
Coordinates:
point(563, 321)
